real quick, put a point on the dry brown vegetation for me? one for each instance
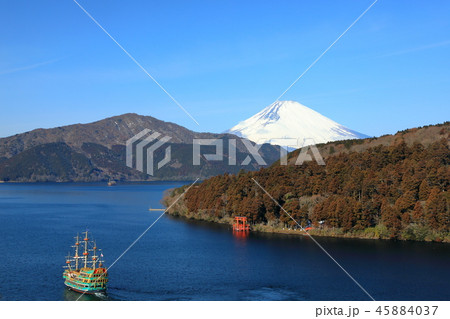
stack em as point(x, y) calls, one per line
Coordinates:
point(391, 187)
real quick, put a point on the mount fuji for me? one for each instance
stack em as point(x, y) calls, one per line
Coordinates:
point(292, 125)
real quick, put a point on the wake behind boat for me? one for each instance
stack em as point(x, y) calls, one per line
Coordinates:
point(83, 274)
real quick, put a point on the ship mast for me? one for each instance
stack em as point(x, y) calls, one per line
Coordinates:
point(100, 260)
point(94, 257)
point(68, 261)
point(77, 244)
point(85, 254)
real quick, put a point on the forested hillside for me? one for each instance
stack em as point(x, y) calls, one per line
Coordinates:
point(398, 191)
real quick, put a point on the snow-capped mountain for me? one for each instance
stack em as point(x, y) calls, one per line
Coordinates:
point(293, 125)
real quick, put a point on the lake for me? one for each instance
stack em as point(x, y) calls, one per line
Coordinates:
point(188, 260)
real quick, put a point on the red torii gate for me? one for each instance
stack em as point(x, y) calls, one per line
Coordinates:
point(240, 224)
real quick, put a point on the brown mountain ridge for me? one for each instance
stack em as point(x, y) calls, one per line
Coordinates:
point(96, 152)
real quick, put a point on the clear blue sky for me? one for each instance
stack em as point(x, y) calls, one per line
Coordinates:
point(224, 61)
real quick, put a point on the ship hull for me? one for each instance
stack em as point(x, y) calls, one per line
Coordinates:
point(86, 292)
point(86, 280)
point(90, 292)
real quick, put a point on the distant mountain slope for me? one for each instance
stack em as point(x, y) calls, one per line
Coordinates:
point(290, 119)
point(107, 132)
point(99, 147)
point(51, 161)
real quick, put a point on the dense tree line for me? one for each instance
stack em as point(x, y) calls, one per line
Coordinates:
point(395, 191)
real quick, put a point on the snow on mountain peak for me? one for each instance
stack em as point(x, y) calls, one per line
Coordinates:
point(284, 121)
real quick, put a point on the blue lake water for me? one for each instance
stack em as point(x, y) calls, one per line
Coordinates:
point(186, 260)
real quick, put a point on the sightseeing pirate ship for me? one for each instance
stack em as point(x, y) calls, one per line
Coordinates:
point(83, 273)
